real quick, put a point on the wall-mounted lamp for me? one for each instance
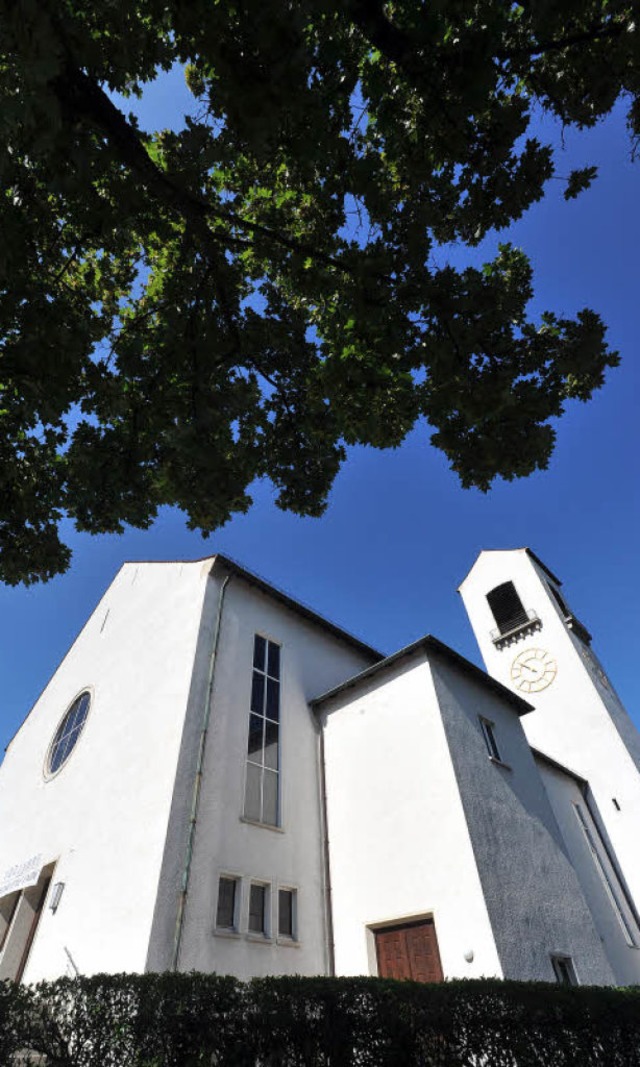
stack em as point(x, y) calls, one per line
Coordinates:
point(56, 894)
point(469, 956)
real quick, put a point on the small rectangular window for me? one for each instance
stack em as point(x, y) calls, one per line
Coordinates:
point(257, 909)
point(286, 913)
point(564, 970)
point(227, 903)
point(490, 739)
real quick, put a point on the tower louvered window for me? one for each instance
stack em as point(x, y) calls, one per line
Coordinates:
point(507, 607)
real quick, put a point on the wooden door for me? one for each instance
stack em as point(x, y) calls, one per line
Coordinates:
point(409, 951)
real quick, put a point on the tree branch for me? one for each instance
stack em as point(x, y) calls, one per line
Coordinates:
point(597, 32)
point(397, 46)
point(82, 95)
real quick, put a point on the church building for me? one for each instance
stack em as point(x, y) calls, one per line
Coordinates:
point(216, 778)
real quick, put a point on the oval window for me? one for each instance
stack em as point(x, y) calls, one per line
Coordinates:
point(68, 733)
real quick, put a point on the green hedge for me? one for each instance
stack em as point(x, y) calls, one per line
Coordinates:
point(195, 1020)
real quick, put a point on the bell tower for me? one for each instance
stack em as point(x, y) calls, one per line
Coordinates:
point(532, 642)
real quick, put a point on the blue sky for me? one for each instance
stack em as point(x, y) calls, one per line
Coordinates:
point(400, 533)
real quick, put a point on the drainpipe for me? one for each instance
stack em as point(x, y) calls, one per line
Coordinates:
point(197, 783)
point(327, 858)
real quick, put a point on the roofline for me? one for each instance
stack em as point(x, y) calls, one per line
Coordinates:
point(530, 553)
point(554, 577)
point(240, 572)
point(295, 605)
point(218, 558)
point(59, 665)
point(537, 754)
point(429, 643)
point(125, 563)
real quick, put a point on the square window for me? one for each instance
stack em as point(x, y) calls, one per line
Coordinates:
point(286, 913)
point(227, 902)
point(257, 909)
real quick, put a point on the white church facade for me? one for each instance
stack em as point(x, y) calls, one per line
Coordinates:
point(218, 779)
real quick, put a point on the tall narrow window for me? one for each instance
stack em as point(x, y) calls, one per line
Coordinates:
point(490, 739)
point(261, 799)
point(286, 913)
point(608, 878)
point(227, 904)
point(258, 909)
point(507, 607)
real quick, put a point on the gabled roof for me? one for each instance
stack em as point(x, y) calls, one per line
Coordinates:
point(536, 559)
point(239, 571)
point(429, 644)
point(530, 553)
point(542, 756)
point(235, 568)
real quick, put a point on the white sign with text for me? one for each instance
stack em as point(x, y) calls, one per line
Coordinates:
point(21, 875)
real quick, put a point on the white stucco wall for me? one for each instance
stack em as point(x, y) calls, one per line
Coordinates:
point(312, 661)
point(102, 819)
point(564, 793)
point(398, 838)
point(533, 895)
point(578, 719)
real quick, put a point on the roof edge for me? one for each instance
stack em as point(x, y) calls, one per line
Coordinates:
point(536, 559)
point(529, 552)
point(537, 754)
point(428, 643)
point(295, 605)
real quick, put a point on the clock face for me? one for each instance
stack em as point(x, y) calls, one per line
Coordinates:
point(533, 670)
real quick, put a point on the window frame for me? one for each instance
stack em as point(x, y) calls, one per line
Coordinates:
point(288, 938)
point(491, 744)
point(264, 932)
point(234, 927)
point(48, 773)
point(611, 886)
point(518, 617)
point(561, 961)
point(267, 720)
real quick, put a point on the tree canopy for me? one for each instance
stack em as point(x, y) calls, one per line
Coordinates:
point(183, 311)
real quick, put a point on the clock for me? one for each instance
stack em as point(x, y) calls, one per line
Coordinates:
point(533, 670)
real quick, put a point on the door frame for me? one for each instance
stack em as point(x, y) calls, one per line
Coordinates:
point(413, 919)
